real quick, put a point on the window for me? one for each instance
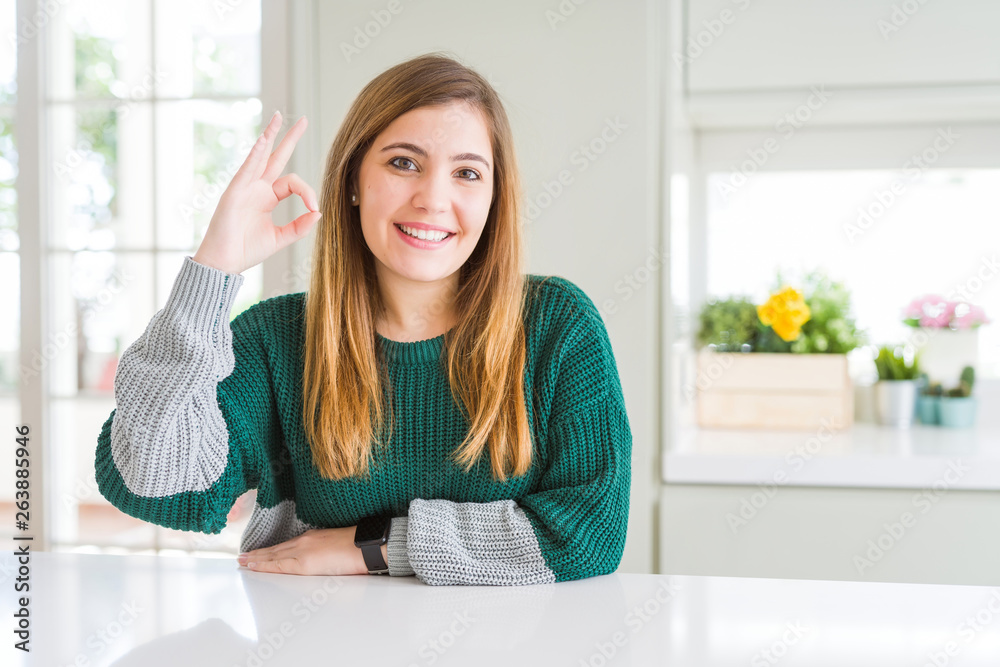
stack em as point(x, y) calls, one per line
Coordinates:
point(10, 278)
point(891, 237)
point(148, 110)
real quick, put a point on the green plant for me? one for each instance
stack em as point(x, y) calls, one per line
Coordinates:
point(829, 329)
point(728, 324)
point(732, 324)
point(891, 365)
point(965, 384)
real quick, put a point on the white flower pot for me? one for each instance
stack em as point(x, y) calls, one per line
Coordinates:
point(945, 352)
point(895, 401)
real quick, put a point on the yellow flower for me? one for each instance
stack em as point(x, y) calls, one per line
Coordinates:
point(785, 312)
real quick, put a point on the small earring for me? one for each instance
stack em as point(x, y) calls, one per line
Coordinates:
point(354, 198)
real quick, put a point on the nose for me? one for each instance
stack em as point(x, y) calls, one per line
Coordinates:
point(432, 193)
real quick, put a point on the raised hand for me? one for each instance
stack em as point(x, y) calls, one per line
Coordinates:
point(241, 233)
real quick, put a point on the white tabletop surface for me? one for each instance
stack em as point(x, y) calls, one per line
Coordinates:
point(863, 456)
point(151, 611)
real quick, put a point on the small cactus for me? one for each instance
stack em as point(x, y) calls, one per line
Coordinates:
point(965, 384)
point(969, 376)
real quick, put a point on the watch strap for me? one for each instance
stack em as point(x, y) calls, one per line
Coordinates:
point(372, 554)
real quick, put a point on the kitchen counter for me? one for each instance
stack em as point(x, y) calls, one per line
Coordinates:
point(866, 456)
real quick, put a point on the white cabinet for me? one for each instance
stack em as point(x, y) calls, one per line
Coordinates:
point(751, 45)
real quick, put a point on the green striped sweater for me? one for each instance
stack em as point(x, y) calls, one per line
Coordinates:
point(207, 409)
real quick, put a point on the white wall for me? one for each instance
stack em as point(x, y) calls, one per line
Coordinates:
point(564, 77)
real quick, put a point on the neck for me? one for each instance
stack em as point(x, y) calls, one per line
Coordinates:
point(416, 310)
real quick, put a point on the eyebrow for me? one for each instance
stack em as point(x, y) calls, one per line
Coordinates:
point(422, 153)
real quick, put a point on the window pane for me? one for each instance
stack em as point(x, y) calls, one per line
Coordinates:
point(101, 177)
point(209, 48)
point(8, 178)
point(100, 49)
point(10, 404)
point(680, 271)
point(8, 53)
point(936, 233)
point(101, 303)
point(10, 413)
point(201, 145)
point(10, 323)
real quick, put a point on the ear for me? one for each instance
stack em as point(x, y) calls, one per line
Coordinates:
point(353, 189)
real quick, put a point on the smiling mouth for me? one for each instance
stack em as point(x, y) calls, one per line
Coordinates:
point(441, 240)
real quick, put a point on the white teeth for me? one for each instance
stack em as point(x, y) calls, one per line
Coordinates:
point(424, 235)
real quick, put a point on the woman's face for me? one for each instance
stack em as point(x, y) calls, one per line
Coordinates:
point(430, 169)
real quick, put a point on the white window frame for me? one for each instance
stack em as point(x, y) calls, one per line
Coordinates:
point(278, 81)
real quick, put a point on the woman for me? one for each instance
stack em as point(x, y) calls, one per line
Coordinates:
point(393, 395)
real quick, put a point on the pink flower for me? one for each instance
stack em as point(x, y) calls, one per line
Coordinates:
point(974, 316)
point(919, 307)
point(938, 322)
point(934, 311)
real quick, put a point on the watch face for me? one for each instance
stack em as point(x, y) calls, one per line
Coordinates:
point(372, 530)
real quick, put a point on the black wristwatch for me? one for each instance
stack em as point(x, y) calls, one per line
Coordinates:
point(369, 536)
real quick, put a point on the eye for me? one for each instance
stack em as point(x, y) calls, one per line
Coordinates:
point(393, 163)
point(475, 174)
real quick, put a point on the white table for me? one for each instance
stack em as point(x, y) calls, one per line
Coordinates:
point(169, 610)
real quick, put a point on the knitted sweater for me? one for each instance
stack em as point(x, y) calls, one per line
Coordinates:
point(207, 409)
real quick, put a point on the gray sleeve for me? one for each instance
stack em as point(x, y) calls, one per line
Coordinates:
point(168, 435)
point(446, 543)
point(399, 561)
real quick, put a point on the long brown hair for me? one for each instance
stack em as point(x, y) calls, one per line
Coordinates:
point(345, 383)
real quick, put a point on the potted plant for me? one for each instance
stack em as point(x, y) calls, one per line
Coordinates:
point(896, 389)
point(947, 334)
point(829, 329)
point(790, 370)
point(728, 325)
point(928, 402)
point(958, 405)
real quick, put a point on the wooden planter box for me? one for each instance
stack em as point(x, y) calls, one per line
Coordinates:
point(773, 390)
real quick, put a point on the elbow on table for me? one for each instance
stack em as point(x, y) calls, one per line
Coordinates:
point(602, 555)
